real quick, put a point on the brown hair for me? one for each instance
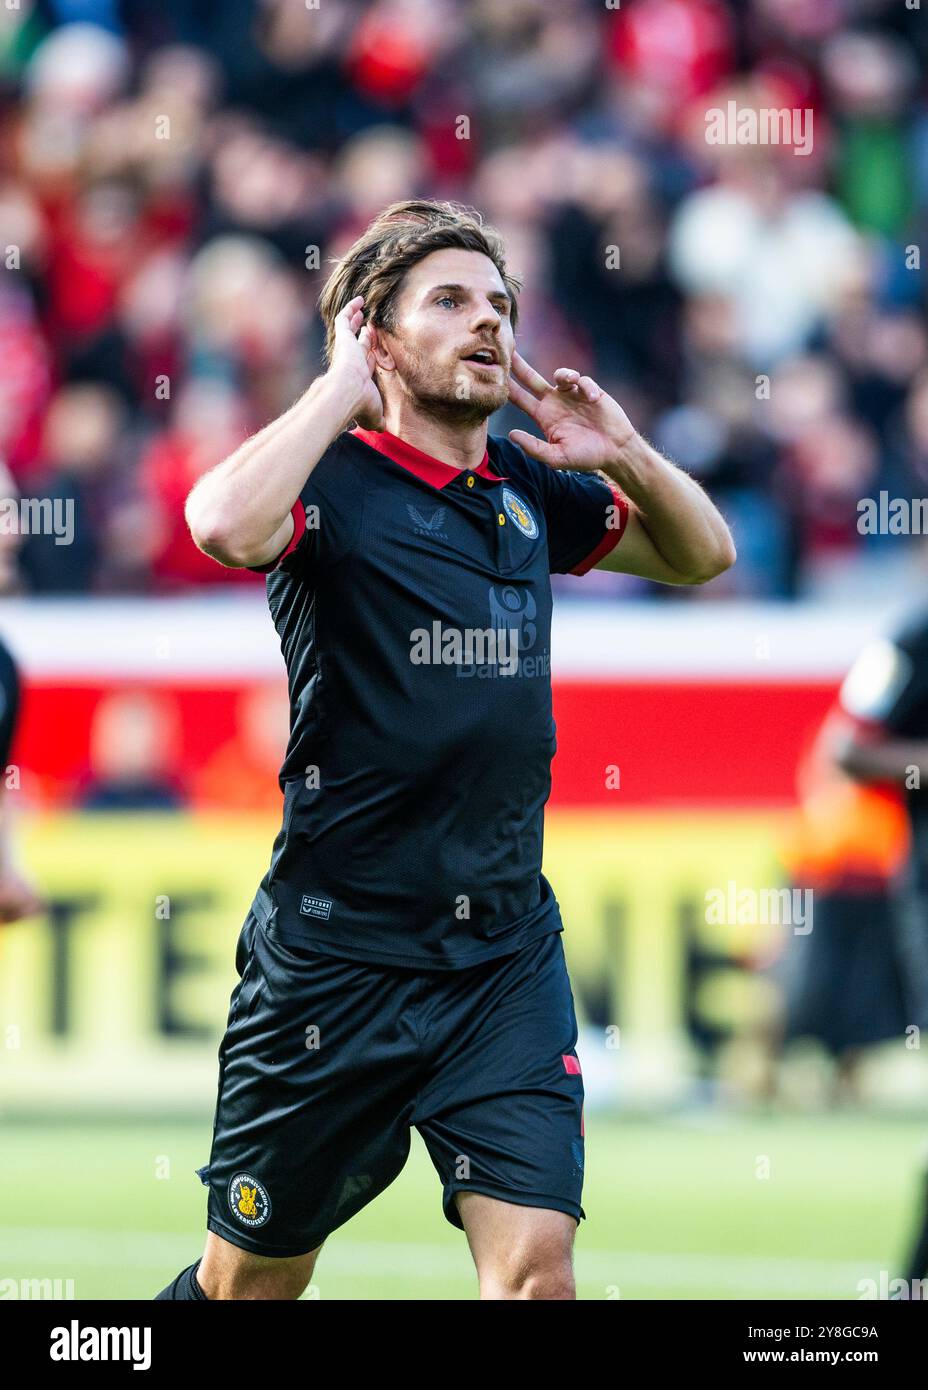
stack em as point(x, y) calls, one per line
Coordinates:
point(403, 234)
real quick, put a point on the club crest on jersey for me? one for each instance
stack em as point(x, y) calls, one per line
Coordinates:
point(248, 1200)
point(519, 514)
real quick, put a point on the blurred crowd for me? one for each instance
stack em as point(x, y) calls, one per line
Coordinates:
point(175, 177)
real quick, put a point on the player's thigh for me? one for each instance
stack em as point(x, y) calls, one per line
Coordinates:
point(502, 1112)
point(317, 1076)
point(519, 1251)
point(226, 1271)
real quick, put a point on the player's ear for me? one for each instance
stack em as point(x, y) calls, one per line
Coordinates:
point(381, 348)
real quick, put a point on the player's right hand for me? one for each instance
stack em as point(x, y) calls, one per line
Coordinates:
point(353, 362)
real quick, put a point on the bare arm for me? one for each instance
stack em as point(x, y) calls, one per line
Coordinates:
point(858, 736)
point(239, 512)
point(879, 759)
point(674, 533)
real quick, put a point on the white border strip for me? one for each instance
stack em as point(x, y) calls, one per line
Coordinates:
point(232, 637)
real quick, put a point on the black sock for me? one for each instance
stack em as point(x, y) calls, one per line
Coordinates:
point(185, 1286)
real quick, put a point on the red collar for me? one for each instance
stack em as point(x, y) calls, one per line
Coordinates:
point(430, 470)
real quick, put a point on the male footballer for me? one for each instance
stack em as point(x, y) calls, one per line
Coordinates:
point(401, 964)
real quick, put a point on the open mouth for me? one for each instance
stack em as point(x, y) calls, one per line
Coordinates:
point(483, 357)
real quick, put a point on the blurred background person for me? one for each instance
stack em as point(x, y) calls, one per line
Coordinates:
point(843, 982)
point(132, 755)
point(174, 187)
point(884, 741)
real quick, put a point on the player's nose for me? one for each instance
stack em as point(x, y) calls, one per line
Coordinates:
point(486, 316)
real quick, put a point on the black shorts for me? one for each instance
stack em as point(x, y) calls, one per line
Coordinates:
point(910, 934)
point(326, 1064)
point(843, 984)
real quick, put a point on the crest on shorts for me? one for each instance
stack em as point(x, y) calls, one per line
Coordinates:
point(248, 1200)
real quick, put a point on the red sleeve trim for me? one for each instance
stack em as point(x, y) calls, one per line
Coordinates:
point(612, 536)
point(298, 512)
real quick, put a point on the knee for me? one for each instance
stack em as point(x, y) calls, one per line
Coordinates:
point(227, 1272)
point(542, 1278)
point(251, 1284)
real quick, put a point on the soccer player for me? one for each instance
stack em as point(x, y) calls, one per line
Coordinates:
point(401, 964)
point(884, 739)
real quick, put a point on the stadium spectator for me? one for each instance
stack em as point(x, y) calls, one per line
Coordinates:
point(132, 747)
point(177, 178)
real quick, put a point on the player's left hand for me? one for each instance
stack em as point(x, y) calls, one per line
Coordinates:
point(584, 427)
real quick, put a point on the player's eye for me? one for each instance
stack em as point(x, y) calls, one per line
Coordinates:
point(447, 299)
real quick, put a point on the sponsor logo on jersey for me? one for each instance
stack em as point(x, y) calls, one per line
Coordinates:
point(513, 610)
point(429, 525)
point(316, 907)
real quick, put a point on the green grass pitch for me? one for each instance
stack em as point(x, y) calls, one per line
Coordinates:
point(702, 1205)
